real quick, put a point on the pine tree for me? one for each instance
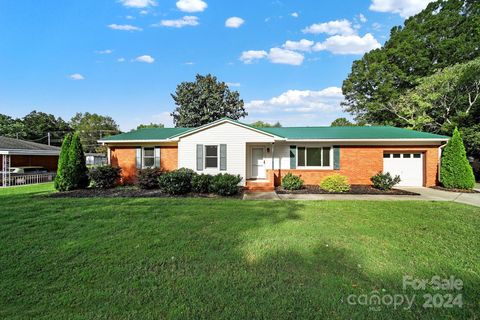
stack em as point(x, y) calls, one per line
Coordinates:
point(76, 163)
point(61, 179)
point(456, 172)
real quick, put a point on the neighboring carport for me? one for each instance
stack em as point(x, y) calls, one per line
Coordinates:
point(21, 153)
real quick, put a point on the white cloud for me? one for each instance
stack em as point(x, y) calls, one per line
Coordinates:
point(130, 17)
point(233, 84)
point(342, 27)
point(299, 101)
point(352, 44)
point(302, 45)
point(284, 56)
point(138, 3)
point(362, 18)
point(121, 60)
point(189, 63)
point(405, 8)
point(76, 76)
point(191, 5)
point(124, 27)
point(179, 23)
point(275, 55)
point(295, 14)
point(106, 51)
point(145, 58)
point(252, 55)
point(144, 12)
point(234, 22)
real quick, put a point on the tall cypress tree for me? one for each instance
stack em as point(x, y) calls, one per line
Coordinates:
point(62, 177)
point(456, 172)
point(77, 166)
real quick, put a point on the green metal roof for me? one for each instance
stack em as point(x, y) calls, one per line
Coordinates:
point(147, 134)
point(292, 133)
point(353, 132)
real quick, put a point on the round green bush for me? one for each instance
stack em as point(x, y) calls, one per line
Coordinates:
point(201, 183)
point(104, 177)
point(177, 182)
point(225, 184)
point(335, 183)
point(384, 181)
point(148, 178)
point(292, 182)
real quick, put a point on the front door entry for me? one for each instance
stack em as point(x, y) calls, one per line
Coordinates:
point(258, 163)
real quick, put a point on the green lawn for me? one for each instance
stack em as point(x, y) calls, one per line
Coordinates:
point(224, 259)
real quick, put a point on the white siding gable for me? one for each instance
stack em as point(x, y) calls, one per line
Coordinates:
point(233, 135)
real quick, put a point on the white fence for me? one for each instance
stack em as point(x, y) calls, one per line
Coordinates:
point(23, 179)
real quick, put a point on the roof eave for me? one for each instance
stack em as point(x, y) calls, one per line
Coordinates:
point(372, 140)
point(220, 121)
point(30, 152)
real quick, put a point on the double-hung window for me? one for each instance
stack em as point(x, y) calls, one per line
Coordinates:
point(211, 156)
point(148, 157)
point(319, 157)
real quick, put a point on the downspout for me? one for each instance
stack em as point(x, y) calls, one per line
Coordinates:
point(440, 151)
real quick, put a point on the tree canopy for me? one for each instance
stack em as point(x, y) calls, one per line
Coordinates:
point(341, 122)
point(205, 100)
point(261, 124)
point(91, 127)
point(151, 125)
point(442, 35)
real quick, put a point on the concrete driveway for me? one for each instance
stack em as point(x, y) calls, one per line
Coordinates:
point(426, 194)
point(440, 195)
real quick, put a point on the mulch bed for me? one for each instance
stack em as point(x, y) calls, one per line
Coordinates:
point(355, 189)
point(132, 192)
point(454, 190)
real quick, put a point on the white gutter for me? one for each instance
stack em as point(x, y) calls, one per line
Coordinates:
point(30, 152)
point(370, 140)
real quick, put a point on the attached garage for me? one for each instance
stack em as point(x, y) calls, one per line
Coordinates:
point(408, 165)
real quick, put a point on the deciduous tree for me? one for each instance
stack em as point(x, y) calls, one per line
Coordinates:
point(205, 100)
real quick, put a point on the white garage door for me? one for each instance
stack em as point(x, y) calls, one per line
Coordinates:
point(409, 166)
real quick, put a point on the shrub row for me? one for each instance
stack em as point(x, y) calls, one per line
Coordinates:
point(183, 181)
point(339, 183)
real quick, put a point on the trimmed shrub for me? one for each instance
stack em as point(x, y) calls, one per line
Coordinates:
point(104, 177)
point(335, 183)
point(456, 172)
point(201, 183)
point(177, 182)
point(292, 182)
point(61, 179)
point(384, 181)
point(76, 163)
point(225, 184)
point(148, 178)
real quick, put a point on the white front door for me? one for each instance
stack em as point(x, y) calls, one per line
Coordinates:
point(409, 166)
point(258, 164)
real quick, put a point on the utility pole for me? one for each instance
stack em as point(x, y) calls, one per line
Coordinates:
point(48, 134)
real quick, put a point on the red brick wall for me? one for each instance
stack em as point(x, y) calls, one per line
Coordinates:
point(169, 158)
point(48, 162)
point(359, 163)
point(124, 157)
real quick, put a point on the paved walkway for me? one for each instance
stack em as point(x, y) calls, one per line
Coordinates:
point(477, 187)
point(426, 194)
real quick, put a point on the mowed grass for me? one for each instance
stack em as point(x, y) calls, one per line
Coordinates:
point(228, 259)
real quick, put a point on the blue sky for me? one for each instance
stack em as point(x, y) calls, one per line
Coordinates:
point(123, 58)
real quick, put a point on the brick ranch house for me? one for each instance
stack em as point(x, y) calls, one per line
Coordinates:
point(262, 156)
